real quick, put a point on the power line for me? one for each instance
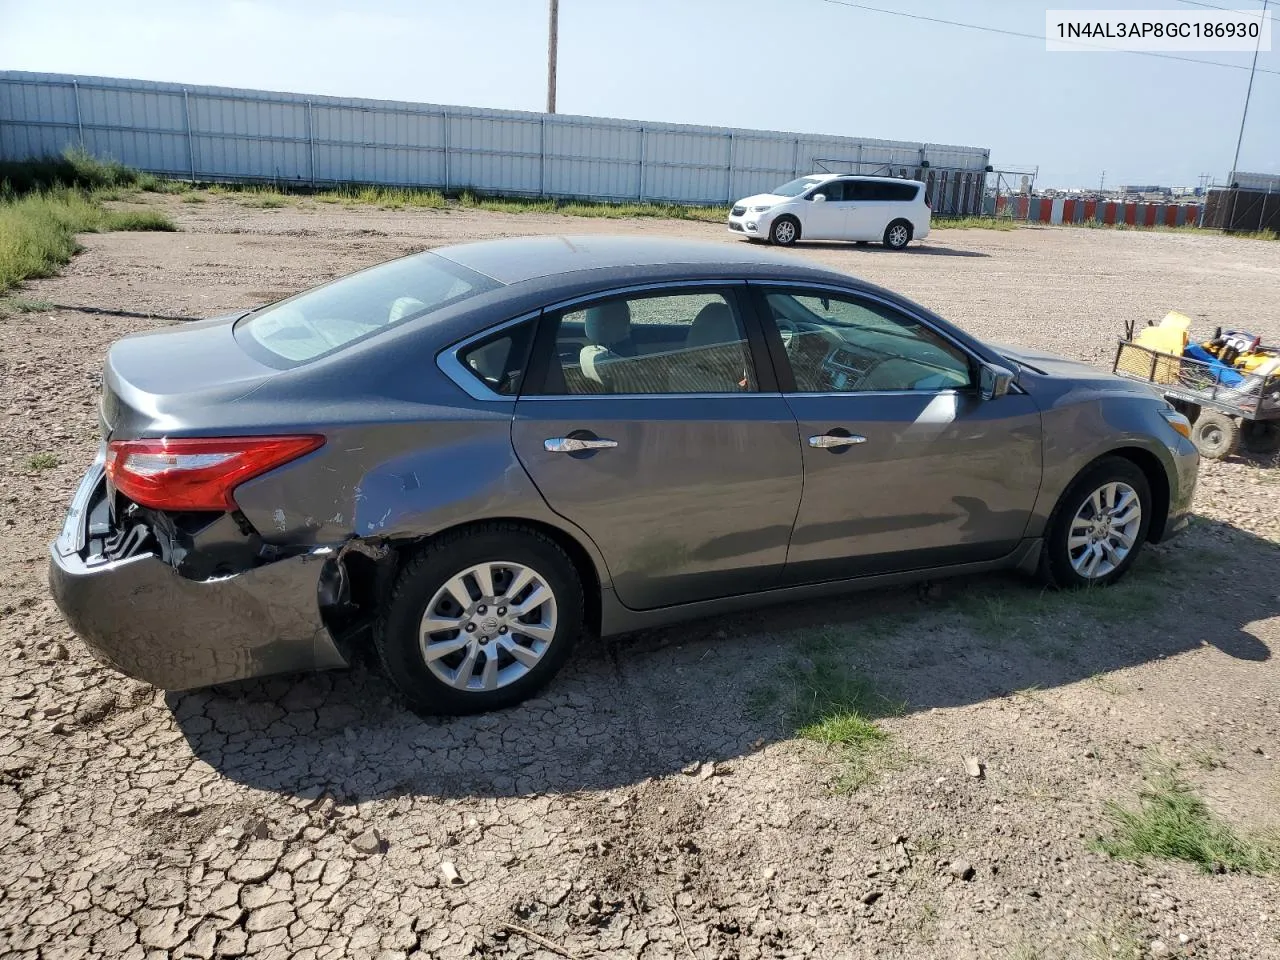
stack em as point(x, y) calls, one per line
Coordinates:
point(1214, 6)
point(1036, 36)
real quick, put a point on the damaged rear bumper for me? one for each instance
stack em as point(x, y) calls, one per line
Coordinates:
point(142, 617)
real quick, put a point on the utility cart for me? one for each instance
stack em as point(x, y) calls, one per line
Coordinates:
point(1228, 407)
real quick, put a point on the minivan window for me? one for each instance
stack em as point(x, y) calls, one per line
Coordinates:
point(328, 318)
point(793, 188)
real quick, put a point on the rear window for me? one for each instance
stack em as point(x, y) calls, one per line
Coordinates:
point(882, 190)
point(338, 314)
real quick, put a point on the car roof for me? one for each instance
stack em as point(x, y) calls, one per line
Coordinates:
point(864, 176)
point(518, 259)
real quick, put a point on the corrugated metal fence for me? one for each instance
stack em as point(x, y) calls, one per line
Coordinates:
point(216, 133)
point(1109, 212)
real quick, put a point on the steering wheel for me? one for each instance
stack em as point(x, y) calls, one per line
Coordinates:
point(787, 328)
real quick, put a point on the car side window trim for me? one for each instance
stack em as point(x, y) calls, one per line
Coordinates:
point(452, 366)
point(782, 363)
point(734, 290)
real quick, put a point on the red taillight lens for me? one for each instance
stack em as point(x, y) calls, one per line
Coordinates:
point(197, 473)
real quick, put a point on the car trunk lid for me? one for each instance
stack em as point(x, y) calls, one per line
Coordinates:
point(150, 377)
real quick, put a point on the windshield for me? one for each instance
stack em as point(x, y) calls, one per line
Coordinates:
point(793, 188)
point(327, 318)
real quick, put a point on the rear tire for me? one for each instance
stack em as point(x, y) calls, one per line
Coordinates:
point(1260, 436)
point(522, 663)
point(1215, 435)
point(1078, 529)
point(785, 231)
point(898, 234)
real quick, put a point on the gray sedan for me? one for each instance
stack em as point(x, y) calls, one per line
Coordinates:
point(469, 457)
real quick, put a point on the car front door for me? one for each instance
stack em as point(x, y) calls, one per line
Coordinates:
point(825, 219)
point(905, 465)
point(652, 421)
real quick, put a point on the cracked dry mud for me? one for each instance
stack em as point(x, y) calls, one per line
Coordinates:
point(650, 803)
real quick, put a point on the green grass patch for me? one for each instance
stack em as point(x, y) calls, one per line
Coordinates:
point(134, 220)
point(1172, 823)
point(976, 223)
point(75, 168)
point(408, 198)
point(10, 305)
point(43, 461)
point(193, 198)
point(38, 231)
point(825, 700)
point(267, 201)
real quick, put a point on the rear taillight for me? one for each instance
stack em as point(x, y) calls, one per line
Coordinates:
point(196, 473)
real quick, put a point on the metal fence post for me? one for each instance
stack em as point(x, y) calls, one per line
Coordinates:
point(191, 147)
point(311, 142)
point(75, 86)
point(729, 185)
point(445, 117)
point(640, 192)
point(795, 158)
point(542, 156)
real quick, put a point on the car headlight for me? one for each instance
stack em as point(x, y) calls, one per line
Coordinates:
point(767, 206)
point(1178, 422)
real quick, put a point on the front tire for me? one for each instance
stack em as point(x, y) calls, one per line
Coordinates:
point(785, 231)
point(897, 235)
point(480, 619)
point(1098, 527)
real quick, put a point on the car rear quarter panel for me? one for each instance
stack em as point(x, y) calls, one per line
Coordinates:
point(402, 481)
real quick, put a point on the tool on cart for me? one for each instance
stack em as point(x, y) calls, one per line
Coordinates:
point(1228, 385)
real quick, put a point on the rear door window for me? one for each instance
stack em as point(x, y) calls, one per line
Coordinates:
point(692, 341)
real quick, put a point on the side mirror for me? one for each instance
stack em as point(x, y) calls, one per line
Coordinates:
point(994, 381)
point(819, 197)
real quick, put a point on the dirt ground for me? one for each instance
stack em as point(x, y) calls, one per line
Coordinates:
point(653, 802)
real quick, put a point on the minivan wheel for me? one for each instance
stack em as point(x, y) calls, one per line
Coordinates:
point(897, 234)
point(1099, 526)
point(480, 619)
point(785, 231)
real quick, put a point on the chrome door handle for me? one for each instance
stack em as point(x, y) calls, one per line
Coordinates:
point(576, 444)
point(827, 441)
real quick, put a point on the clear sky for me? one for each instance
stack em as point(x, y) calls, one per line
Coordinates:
point(796, 65)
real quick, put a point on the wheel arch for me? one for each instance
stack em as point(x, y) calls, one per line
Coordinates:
point(793, 219)
point(1157, 479)
point(583, 559)
point(906, 221)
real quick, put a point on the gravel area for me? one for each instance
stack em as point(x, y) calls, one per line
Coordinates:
point(653, 802)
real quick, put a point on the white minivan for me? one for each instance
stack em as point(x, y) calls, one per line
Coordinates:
point(828, 206)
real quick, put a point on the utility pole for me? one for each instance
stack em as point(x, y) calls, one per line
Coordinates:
point(553, 31)
point(1101, 180)
point(1248, 93)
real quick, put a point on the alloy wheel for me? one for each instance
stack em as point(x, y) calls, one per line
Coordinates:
point(784, 232)
point(898, 236)
point(1104, 530)
point(488, 626)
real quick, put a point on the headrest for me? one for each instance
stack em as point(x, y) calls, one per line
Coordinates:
point(402, 307)
point(608, 324)
point(714, 324)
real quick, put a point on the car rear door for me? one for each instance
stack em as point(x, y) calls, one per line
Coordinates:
point(652, 421)
point(905, 466)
